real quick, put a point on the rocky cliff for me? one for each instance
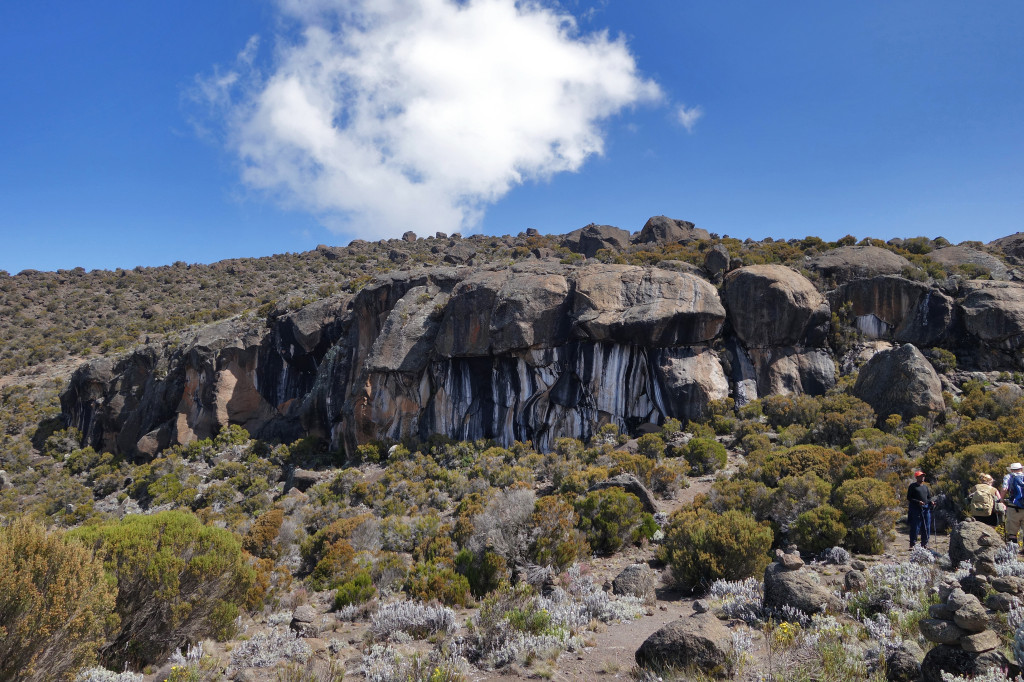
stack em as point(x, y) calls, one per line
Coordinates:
point(533, 351)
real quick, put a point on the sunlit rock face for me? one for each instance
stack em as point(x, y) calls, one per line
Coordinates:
point(780, 324)
point(534, 351)
point(893, 308)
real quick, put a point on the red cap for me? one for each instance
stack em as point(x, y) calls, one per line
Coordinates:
point(918, 473)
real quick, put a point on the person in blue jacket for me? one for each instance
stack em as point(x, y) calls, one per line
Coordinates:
point(919, 510)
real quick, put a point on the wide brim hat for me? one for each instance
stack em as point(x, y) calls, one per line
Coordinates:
point(1016, 466)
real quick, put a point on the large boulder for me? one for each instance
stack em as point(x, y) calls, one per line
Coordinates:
point(890, 307)
point(957, 256)
point(592, 238)
point(994, 312)
point(495, 312)
point(407, 337)
point(636, 580)
point(647, 307)
point(856, 262)
point(699, 641)
point(957, 661)
point(801, 589)
point(900, 381)
point(771, 305)
point(977, 543)
point(662, 230)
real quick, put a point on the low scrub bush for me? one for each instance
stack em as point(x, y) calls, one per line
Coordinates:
point(612, 518)
point(178, 581)
point(56, 605)
point(701, 546)
point(705, 456)
point(418, 620)
point(816, 530)
point(557, 542)
point(869, 509)
point(356, 591)
point(430, 581)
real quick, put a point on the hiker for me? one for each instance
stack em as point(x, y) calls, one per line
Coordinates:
point(982, 501)
point(919, 510)
point(1013, 497)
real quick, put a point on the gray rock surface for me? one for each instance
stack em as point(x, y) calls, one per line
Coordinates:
point(592, 238)
point(955, 256)
point(957, 661)
point(966, 544)
point(900, 381)
point(636, 580)
point(940, 631)
point(994, 312)
point(662, 230)
point(856, 262)
point(700, 641)
point(801, 589)
point(771, 305)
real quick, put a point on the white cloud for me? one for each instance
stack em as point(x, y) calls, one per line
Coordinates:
point(689, 117)
point(385, 115)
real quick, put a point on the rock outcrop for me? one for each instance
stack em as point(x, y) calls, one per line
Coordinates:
point(592, 238)
point(780, 322)
point(1012, 246)
point(979, 261)
point(857, 262)
point(662, 230)
point(535, 351)
point(900, 381)
point(892, 308)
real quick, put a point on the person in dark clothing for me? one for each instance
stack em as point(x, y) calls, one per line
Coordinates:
point(919, 510)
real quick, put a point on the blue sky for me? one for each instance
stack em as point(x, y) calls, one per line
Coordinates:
point(143, 133)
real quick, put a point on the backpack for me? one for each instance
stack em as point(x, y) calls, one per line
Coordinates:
point(1015, 490)
point(981, 501)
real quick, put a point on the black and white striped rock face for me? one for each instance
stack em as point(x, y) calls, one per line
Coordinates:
point(534, 351)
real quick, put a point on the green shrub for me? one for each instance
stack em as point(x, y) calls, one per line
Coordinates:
point(262, 535)
point(485, 571)
point(651, 445)
point(173, 574)
point(818, 529)
point(610, 518)
point(429, 581)
point(869, 509)
point(701, 546)
point(705, 456)
point(358, 590)
point(556, 540)
point(841, 415)
point(56, 604)
point(771, 467)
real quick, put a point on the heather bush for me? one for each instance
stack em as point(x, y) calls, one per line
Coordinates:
point(816, 530)
point(794, 496)
point(56, 605)
point(485, 571)
point(705, 456)
point(870, 509)
point(504, 525)
point(701, 546)
point(556, 540)
point(430, 581)
point(356, 591)
point(178, 580)
point(651, 446)
point(612, 518)
point(260, 540)
point(841, 415)
point(771, 467)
